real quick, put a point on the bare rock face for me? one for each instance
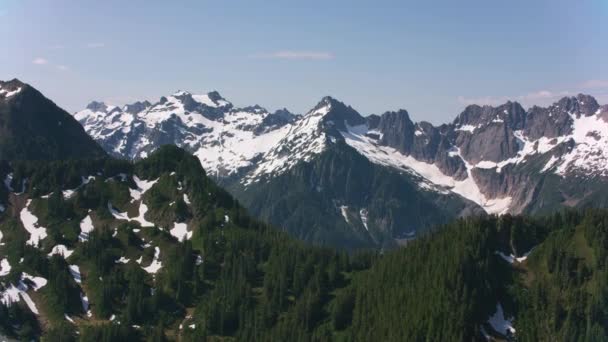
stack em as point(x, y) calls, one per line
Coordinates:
point(397, 131)
point(488, 133)
point(340, 115)
point(548, 122)
point(581, 104)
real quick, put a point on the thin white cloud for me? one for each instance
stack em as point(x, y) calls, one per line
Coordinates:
point(290, 54)
point(595, 84)
point(40, 61)
point(44, 61)
point(541, 97)
point(95, 45)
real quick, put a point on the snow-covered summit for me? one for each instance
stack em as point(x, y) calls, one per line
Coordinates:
point(483, 155)
point(225, 138)
point(302, 140)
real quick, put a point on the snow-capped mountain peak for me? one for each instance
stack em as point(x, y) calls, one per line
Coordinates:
point(322, 108)
point(480, 155)
point(224, 138)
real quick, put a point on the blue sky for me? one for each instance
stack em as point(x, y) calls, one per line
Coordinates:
point(431, 58)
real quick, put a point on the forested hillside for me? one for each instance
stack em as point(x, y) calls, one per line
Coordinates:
point(106, 250)
point(150, 251)
point(363, 203)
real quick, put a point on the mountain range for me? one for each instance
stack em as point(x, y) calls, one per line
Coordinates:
point(333, 176)
point(97, 248)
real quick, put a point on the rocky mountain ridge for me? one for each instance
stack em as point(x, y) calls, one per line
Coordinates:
point(504, 159)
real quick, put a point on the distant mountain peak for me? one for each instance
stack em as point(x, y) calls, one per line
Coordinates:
point(15, 82)
point(323, 106)
point(284, 112)
point(401, 112)
point(11, 88)
point(332, 109)
point(180, 93)
point(97, 106)
point(580, 104)
point(511, 112)
point(212, 99)
point(215, 96)
point(137, 107)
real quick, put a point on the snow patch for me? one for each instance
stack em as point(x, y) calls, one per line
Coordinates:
point(156, 264)
point(363, 214)
point(512, 258)
point(86, 227)
point(67, 194)
point(142, 187)
point(12, 294)
point(61, 250)
point(84, 300)
point(467, 128)
point(143, 209)
point(500, 323)
point(117, 214)
point(527, 148)
point(75, 272)
point(30, 222)
point(387, 156)
point(8, 93)
point(122, 260)
point(589, 155)
point(180, 231)
point(5, 267)
point(344, 211)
